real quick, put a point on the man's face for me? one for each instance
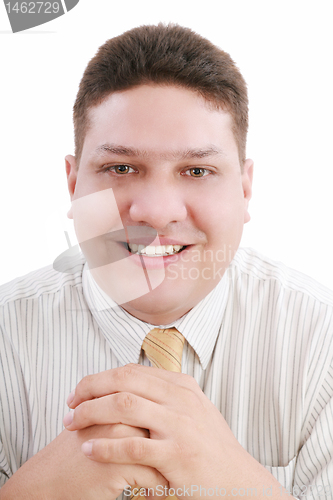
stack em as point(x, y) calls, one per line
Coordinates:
point(170, 162)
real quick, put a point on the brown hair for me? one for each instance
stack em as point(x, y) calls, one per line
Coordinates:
point(163, 55)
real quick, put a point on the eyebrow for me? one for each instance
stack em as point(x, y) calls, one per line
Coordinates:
point(115, 149)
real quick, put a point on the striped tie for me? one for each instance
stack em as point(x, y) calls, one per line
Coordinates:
point(164, 349)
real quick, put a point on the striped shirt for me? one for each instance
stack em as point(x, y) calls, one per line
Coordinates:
point(260, 346)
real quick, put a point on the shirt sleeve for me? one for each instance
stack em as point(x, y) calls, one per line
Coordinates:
point(15, 426)
point(313, 477)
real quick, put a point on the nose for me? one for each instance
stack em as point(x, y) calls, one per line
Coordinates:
point(158, 205)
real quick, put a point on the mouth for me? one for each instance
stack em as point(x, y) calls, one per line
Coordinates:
point(154, 251)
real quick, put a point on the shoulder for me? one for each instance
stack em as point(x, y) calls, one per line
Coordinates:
point(42, 282)
point(251, 264)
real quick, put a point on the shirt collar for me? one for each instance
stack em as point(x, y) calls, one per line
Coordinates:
point(125, 333)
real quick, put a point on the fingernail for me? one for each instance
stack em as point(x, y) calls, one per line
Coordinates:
point(87, 448)
point(68, 419)
point(70, 398)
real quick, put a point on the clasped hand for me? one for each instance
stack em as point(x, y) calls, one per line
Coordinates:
point(190, 443)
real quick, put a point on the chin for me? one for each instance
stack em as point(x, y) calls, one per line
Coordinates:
point(168, 302)
point(159, 306)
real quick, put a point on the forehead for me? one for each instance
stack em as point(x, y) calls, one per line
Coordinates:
point(158, 120)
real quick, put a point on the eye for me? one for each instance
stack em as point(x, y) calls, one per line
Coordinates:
point(197, 172)
point(120, 169)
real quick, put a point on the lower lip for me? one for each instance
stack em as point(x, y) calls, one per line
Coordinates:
point(157, 262)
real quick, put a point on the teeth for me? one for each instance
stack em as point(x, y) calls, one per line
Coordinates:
point(152, 251)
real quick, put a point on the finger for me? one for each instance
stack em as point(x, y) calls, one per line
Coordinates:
point(120, 408)
point(109, 382)
point(111, 431)
point(147, 382)
point(118, 431)
point(139, 476)
point(131, 451)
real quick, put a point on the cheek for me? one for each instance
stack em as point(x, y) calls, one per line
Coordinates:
point(221, 215)
point(95, 214)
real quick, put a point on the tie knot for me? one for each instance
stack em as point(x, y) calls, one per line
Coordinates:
point(164, 348)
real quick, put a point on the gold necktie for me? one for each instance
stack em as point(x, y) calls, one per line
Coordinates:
point(164, 349)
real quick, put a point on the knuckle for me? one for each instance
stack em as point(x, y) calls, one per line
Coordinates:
point(189, 381)
point(188, 396)
point(136, 449)
point(125, 401)
point(192, 397)
point(124, 373)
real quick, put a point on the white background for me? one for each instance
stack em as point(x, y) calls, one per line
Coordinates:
point(283, 48)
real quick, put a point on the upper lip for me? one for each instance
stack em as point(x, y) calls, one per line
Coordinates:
point(142, 235)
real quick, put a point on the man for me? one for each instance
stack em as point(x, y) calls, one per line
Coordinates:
point(160, 132)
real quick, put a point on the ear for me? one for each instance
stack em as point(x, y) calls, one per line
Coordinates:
point(71, 172)
point(247, 177)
